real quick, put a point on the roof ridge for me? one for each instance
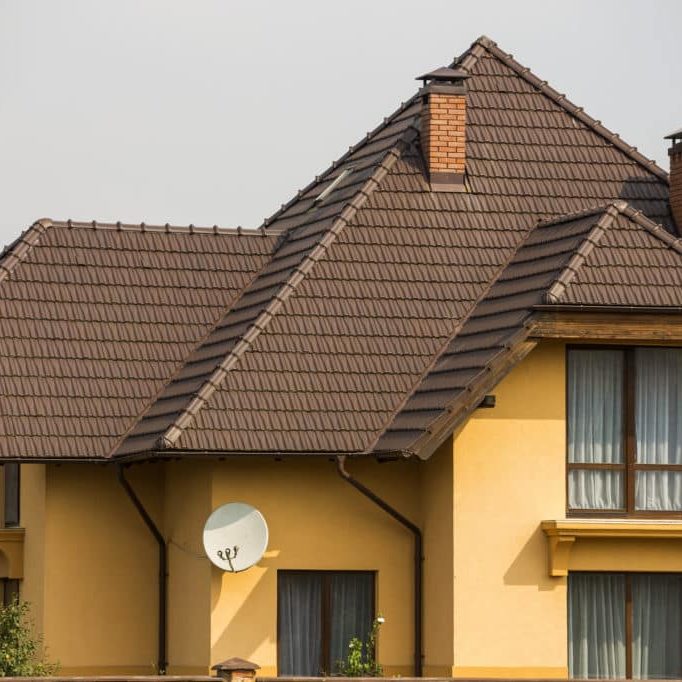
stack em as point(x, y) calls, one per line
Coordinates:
point(19, 249)
point(575, 215)
point(167, 228)
point(654, 228)
point(568, 273)
point(340, 161)
point(171, 434)
point(472, 54)
point(578, 112)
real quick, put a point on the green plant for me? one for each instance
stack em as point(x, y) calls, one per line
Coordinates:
point(20, 650)
point(361, 659)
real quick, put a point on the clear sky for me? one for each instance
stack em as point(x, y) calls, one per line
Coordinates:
point(216, 111)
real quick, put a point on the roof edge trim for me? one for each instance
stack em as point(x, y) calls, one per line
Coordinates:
point(170, 437)
point(17, 251)
point(576, 111)
point(340, 161)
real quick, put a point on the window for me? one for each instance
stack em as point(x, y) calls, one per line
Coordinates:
point(10, 590)
point(318, 612)
point(625, 625)
point(624, 422)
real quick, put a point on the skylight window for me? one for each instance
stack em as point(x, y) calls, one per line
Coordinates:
point(322, 196)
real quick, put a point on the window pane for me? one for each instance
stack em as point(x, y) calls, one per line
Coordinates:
point(299, 607)
point(595, 489)
point(352, 612)
point(658, 405)
point(658, 490)
point(596, 625)
point(656, 626)
point(595, 406)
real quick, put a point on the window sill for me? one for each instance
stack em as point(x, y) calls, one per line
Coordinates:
point(563, 534)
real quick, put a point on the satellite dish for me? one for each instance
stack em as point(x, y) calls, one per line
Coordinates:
point(235, 537)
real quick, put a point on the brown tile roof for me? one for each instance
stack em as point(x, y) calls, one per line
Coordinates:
point(611, 256)
point(97, 317)
point(332, 343)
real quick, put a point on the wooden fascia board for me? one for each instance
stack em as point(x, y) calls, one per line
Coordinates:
point(607, 326)
point(463, 407)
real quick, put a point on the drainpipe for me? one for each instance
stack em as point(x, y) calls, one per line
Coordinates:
point(163, 569)
point(418, 581)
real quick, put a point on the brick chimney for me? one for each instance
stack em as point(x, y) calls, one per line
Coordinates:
point(675, 153)
point(443, 128)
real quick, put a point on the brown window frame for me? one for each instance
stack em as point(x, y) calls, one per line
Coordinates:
point(629, 467)
point(326, 664)
point(629, 614)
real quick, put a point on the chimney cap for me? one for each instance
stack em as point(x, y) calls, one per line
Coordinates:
point(677, 135)
point(235, 664)
point(444, 75)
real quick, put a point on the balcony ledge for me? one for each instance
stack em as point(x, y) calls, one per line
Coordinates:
point(562, 535)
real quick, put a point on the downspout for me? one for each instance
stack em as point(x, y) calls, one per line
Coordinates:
point(163, 569)
point(418, 580)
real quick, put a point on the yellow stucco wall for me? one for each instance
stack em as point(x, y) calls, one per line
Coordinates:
point(100, 568)
point(316, 521)
point(510, 616)
point(491, 608)
point(438, 535)
point(187, 506)
point(32, 513)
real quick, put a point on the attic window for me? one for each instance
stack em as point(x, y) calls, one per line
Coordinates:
point(322, 196)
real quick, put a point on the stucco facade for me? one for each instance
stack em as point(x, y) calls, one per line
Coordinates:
point(491, 607)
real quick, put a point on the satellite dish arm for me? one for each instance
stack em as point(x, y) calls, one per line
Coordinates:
point(418, 558)
point(163, 568)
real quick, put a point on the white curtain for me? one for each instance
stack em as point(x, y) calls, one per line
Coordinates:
point(658, 424)
point(596, 625)
point(657, 626)
point(352, 611)
point(300, 623)
point(595, 427)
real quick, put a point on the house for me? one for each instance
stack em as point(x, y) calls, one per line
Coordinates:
point(448, 373)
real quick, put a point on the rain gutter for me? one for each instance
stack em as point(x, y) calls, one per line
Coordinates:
point(162, 661)
point(418, 558)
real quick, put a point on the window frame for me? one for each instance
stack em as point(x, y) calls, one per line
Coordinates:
point(326, 615)
point(629, 612)
point(629, 467)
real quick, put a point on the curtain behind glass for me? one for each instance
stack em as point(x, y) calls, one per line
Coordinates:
point(352, 611)
point(657, 626)
point(299, 597)
point(596, 625)
point(595, 427)
point(658, 425)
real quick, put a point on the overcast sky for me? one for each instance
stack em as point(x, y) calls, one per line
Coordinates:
point(204, 112)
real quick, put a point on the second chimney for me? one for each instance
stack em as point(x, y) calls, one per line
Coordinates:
point(675, 153)
point(443, 128)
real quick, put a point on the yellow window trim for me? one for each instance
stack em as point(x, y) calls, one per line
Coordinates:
point(563, 534)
